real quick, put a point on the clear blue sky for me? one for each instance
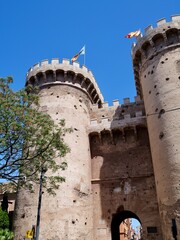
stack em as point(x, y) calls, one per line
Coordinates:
point(34, 30)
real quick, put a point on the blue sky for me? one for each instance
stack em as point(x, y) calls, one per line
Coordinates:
point(135, 224)
point(34, 30)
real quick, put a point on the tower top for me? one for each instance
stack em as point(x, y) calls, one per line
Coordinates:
point(56, 72)
point(156, 40)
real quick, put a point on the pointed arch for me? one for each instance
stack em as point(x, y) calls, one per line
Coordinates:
point(117, 219)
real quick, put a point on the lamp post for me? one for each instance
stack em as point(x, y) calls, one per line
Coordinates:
point(43, 171)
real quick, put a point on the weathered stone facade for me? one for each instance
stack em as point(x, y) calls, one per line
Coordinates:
point(114, 171)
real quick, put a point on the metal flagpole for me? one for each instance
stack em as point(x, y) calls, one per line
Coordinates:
point(84, 54)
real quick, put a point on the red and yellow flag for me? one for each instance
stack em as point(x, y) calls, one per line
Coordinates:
point(133, 34)
point(81, 52)
point(75, 57)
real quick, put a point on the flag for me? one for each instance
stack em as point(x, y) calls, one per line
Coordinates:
point(81, 52)
point(133, 34)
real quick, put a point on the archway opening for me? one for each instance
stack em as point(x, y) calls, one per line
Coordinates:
point(125, 225)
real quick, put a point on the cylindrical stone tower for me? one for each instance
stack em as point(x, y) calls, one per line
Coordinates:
point(66, 92)
point(156, 61)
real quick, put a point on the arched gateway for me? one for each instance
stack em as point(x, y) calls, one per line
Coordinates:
point(117, 220)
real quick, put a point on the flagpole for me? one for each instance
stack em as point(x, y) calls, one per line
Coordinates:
point(84, 54)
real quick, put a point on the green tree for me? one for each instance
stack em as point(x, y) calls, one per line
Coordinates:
point(6, 234)
point(4, 219)
point(29, 139)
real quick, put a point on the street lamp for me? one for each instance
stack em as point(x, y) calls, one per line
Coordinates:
point(43, 171)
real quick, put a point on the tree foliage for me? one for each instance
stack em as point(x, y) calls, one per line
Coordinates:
point(4, 219)
point(6, 234)
point(29, 138)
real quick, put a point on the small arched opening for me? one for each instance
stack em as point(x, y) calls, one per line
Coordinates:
point(121, 216)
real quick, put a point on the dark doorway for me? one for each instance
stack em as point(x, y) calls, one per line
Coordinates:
point(118, 217)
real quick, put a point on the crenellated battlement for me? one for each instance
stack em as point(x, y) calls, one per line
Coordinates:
point(116, 103)
point(118, 115)
point(160, 24)
point(57, 61)
point(155, 41)
point(57, 72)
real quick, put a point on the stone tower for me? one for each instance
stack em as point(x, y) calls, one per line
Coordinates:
point(156, 61)
point(66, 92)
